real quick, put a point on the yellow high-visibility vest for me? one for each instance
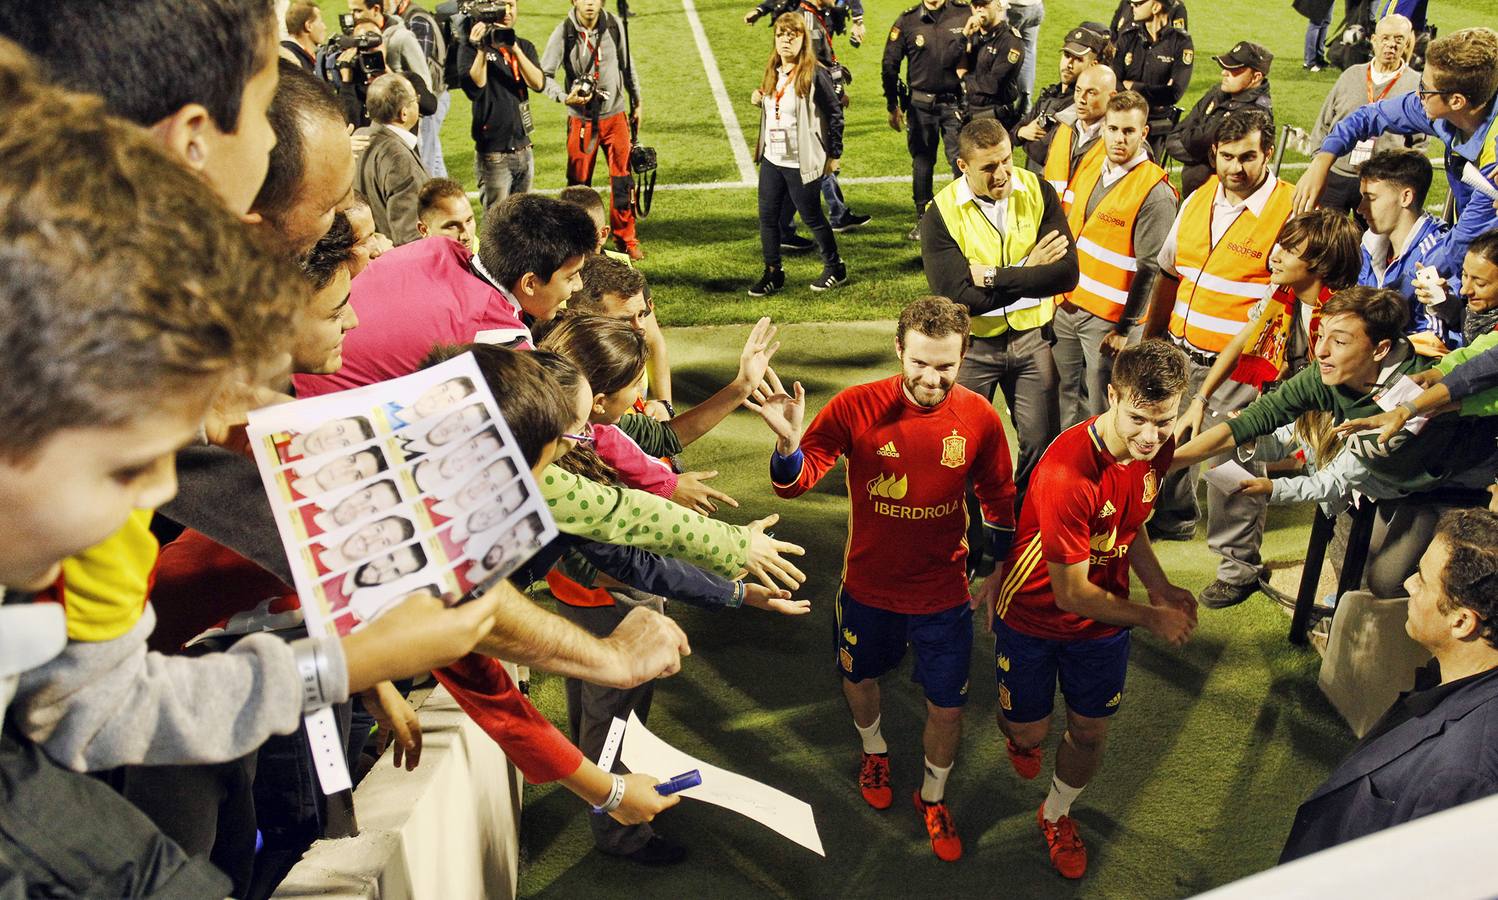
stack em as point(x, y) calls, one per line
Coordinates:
point(985, 245)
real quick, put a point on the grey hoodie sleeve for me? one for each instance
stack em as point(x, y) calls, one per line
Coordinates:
point(112, 703)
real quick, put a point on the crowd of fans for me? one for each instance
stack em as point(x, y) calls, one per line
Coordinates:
point(251, 218)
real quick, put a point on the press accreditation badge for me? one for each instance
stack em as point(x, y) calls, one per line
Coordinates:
point(780, 142)
point(526, 121)
point(1361, 152)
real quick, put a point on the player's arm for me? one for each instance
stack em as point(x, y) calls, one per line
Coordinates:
point(993, 482)
point(1146, 565)
point(1075, 594)
point(799, 460)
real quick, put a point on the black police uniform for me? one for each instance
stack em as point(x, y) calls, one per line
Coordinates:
point(1053, 99)
point(1160, 68)
point(932, 41)
point(994, 59)
point(1123, 17)
point(1191, 143)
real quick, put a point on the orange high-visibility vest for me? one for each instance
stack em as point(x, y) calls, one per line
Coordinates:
point(1105, 239)
point(1057, 169)
point(1220, 283)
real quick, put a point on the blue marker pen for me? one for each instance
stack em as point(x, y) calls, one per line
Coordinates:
point(679, 783)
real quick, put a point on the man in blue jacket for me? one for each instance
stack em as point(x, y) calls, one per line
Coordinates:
point(1402, 240)
point(1454, 103)
point(1433, 749)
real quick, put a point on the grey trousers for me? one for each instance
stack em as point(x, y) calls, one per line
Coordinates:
point(1083, 369)
point(1235, 523)
point(503, 174)
point(1020, 364)
point(591, 709)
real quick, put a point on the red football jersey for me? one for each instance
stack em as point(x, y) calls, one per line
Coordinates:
point(908, 468)
point(1082, 505)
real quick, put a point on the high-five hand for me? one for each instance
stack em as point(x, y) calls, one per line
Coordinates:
point(784, 413)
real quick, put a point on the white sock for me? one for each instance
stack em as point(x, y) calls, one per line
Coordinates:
point(1058, 802)
point(873, 741)
point(934, 783)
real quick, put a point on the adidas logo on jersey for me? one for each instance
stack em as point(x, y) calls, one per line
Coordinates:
point(1107, 510)
point(889, 450)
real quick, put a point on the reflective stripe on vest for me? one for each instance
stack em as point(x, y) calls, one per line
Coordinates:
point(1057, 169)
point(1220, 283)
point(985, 245)
point(1105, 239)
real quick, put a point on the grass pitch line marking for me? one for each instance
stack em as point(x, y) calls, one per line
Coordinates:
point(741, 155)
point(751, 184)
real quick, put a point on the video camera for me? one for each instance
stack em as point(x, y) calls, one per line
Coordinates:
point(492, 13)
point(368, 43)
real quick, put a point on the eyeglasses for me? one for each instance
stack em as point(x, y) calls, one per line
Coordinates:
point(586, 437)
point(1422, 92)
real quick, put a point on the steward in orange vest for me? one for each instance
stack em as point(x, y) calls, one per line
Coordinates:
point(1122, 208)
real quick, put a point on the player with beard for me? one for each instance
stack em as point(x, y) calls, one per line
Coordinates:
point(1062, 608)
point(913, 441)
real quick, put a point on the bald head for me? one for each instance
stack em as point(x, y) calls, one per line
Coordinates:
point(1095, 85)
point(1393, 42)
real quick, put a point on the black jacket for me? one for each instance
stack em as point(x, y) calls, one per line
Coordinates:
point(1191, 142)
point(994, 60)
point(1160, 68)
point(499, 118)
point(933, 43)
point(1053, 99)
point(1435, 759)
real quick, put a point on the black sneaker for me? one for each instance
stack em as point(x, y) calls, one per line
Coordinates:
point(795, 243)
point(851, 221)
point(768, 283)
point(831, 277)
point(1220, 594)
point(658, 852)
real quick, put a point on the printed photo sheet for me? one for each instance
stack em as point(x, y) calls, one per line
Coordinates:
point(414, 484)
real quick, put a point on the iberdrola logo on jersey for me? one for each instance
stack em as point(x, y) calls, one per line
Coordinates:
point(888, 486)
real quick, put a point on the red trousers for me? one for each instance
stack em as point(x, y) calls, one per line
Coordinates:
point(583, 143)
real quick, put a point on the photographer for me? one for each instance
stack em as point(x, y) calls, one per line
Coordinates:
point(602, 93)
point(367, 52)
point(499, 72)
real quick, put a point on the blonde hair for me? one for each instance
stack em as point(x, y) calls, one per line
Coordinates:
point(805, 68)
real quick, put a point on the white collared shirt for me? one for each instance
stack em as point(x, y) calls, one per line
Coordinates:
point(1112, 173)
point(407, 136)
point(996, 211)
point(1085, 133)
point(1224, 213)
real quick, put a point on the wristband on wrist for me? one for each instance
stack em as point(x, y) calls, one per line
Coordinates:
point(615, 797)
point(669, 408)
point(740, 590)
point(1409, 407)
point(312, 668)
point(1201, 398)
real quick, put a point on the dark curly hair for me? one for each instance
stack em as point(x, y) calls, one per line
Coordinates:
point(1471, 576)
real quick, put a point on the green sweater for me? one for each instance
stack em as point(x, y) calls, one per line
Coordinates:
point(614, 515)
point(1446, 445)
point(1484, 403)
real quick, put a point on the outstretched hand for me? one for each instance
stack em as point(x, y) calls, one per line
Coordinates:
point(784, 413)
point(1388, 424)
point(759, 349)
point(775, 600)
point(692, 493)
point(767, 562)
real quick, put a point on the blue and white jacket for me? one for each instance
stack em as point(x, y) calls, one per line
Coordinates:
point(1430, 244)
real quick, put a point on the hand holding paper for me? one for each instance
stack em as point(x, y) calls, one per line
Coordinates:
point(1228, 477)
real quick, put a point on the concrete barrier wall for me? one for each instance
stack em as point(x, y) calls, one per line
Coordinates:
point(448, 830)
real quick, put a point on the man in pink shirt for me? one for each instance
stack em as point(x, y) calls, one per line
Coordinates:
point(435, 291)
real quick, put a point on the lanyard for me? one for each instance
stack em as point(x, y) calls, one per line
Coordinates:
point(511, 61)
point(827, 32)
point(1387, 88)
point(594, 50)
point(785, 82)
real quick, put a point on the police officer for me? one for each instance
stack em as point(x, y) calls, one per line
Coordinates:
point(1084, 45)
point(1123, 17)
point(994, 62)
point(1245, 84)
point(1154, 58)
point(930, 36)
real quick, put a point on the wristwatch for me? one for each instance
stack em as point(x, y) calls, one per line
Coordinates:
point(989, 276)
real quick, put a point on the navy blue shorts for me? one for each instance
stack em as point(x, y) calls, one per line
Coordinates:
point(1091, 673)
point(872, 641)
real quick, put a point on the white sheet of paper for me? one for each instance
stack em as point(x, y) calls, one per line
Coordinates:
point(774, 809)
point(1404, 389)
point(1228, 477)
